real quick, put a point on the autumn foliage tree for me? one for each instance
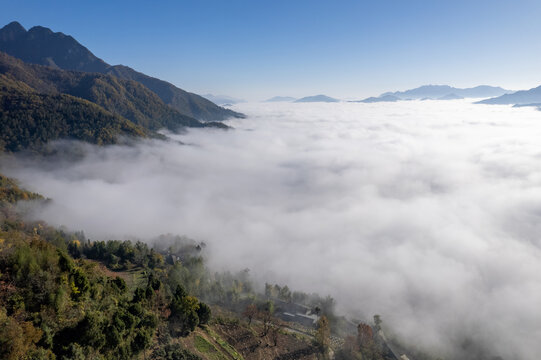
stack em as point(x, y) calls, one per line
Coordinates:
point(350, 350)
point(17, 339)
point(365, 335)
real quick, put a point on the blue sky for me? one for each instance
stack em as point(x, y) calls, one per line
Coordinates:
point(348, 49)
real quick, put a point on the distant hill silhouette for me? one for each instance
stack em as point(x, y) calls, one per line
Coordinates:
point(538, 105)
point(523, 97)
point(440, 92)
point(316, 98)
point(281, 99)
point(41, 46)
point(386, 98)
point(451, 97)
point(222, 99)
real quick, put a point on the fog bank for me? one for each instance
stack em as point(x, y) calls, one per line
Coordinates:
point(427, 213)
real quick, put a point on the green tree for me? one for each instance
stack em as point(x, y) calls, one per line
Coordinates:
point(203, 312)
point(183, 318)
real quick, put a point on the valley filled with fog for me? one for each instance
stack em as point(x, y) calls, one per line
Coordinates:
point(425, 212)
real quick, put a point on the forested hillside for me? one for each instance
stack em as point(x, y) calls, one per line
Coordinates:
point(57, 304)
point(63, 296)
point(29, 119)
point(125, 98)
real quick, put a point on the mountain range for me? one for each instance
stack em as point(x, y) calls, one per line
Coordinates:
point(40, 45)
point(439, 92)
point(524, 97)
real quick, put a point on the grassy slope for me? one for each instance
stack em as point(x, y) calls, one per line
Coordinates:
point(229, 337)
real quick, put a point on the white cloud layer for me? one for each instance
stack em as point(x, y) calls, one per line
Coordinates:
point(427, 213)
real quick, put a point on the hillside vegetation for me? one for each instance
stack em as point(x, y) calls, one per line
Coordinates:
point(10, 192)
point(63, 296)
point(57, 304)
point(29, 119)
point(124, 98)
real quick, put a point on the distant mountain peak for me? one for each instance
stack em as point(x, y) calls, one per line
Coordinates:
point(451, 96)
point(281, 99)
point(317, 98)
point(382, 98)
point(222, 100)
point(14, 26)
point(42, 46)
point(44, 30)
point(441, 92)
point(11, 31)
point(523, 97)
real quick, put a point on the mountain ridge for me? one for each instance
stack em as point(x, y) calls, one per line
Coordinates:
point(40, 45)
point(439, 92)
point(382, 98)
point(126, 98)
point(222, 99)
point(281, 99)
point(522, 97)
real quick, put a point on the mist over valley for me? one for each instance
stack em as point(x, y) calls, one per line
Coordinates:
point(423, 212)
point(304, 180)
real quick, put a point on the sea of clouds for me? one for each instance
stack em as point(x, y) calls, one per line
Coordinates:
point(425, 212)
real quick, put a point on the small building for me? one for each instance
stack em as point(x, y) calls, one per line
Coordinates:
point(297, 313)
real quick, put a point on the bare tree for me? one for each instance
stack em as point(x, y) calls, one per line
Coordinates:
point(250, 312)
point(275, 328)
